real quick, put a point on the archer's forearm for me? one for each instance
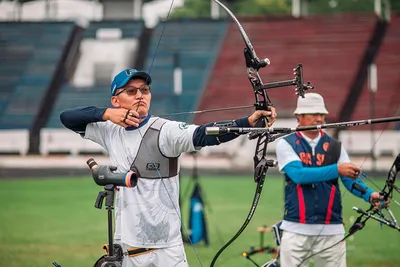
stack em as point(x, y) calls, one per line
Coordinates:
point(201, 139)
point(307, 175)
point(349, 184)
point(76, 119)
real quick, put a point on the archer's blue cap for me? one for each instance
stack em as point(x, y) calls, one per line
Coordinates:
point(122, 78)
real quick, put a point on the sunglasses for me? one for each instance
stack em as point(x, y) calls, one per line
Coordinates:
point(131, 90)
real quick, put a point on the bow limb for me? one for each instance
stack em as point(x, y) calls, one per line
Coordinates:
point(252, 61)
point(242, 32)
point(246, 222)
point(261, 165)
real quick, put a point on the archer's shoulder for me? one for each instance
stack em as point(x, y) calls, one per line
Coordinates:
point(282, 142)
point(290, 137)
point(175, 125)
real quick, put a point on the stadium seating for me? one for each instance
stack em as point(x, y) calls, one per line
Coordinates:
point(197, 43)
point(329, 47)
point(129, 28)
point(211, 57)
point(96, 94)
point(30, 54)
point(387, 98)
point(71, 97)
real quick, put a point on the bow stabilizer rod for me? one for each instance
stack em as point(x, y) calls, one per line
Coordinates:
point(272, 130)
point(381, 220)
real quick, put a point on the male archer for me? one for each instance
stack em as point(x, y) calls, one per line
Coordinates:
point(148, 215)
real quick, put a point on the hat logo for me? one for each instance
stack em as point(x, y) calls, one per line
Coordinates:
point(129, 72)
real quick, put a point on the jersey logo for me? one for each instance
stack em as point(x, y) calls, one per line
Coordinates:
point(183, 125)
point(152, 166)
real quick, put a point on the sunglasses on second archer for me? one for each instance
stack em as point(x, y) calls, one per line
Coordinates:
point(131, 91)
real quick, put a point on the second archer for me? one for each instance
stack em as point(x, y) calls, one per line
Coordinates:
point(312, 162)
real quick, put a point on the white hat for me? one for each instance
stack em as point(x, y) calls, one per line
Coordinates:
point(312, 103)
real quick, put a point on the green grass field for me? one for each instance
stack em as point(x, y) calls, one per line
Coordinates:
point(55, 220)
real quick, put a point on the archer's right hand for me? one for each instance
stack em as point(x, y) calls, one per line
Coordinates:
point(349, 170)
point(123, 117)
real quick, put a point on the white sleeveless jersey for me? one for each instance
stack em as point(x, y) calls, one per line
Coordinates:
point(147, 215)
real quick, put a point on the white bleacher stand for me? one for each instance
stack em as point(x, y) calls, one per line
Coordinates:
point(66, 141)
point(14, 141)
point(103, 57)
point(379, 142)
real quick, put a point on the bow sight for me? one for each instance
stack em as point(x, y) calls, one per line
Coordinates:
point(297, 81)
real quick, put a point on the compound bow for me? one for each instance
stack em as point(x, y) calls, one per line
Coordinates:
point(387, 195)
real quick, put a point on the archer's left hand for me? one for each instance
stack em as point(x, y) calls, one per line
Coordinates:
point(271, 116)
point(376, 200)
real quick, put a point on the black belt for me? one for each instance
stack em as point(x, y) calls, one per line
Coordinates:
point(133, 252)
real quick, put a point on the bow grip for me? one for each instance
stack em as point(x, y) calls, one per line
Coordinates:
point(259, 123)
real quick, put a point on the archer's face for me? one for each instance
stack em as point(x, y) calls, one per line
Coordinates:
point(135, 95)
point(309, 120)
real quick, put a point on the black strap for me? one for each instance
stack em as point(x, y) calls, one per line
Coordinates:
point(333, 153)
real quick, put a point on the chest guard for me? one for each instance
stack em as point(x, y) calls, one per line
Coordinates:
point(150, 163)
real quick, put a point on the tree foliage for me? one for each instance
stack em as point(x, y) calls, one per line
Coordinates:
point(201, 8)
point(193, 9)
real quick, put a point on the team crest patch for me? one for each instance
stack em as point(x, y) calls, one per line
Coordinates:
point(325, 146)
point(183, 125)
